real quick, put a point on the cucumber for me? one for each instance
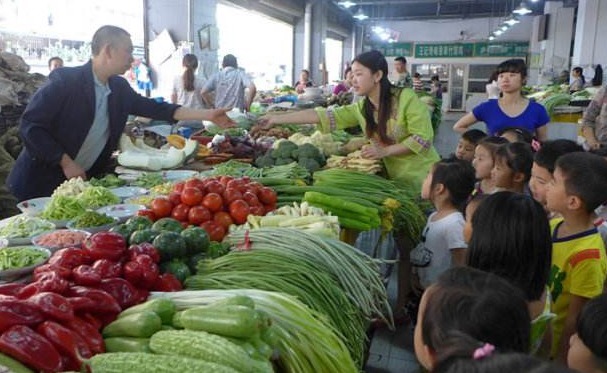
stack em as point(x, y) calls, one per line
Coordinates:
point(12, 365)
point(163, 307)
point(229, 321)
point(142, 325)
point(127, 344)
point(236, 300)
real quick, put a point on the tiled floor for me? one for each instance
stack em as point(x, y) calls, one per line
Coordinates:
point(392, 351)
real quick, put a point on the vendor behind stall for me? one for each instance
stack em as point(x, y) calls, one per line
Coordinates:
point(398, 126)
point(74, 122)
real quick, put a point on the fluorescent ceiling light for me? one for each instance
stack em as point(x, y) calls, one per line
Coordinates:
point(498, 32)
point(491, 37)
point(504, 27)
point(511, 21)
point(522, 9)
point(360, 15)
point(346, 4)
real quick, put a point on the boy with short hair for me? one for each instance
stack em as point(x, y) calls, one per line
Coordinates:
point(467, 143)
point(579, 264)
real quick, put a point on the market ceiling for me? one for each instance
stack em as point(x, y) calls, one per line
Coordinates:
point(385, 10)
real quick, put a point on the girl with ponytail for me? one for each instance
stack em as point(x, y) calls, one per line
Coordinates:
point(187, 87)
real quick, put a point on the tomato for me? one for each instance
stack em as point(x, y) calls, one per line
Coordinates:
point(215, 187)
point(269, 208)
point(178, 187)
point(175, 197)
point(231, 194)
point(254, 187)
point(198, 214)
point(148, 213)
point(162, 207)
point(224, 180)
point(213, 202)
point(267, 195)
point(180, 212)
point(245, 179)
point(195, 183)
point(191, 196)
point(216, 232)
point(234, 184)
point(223, 218)
point(257, 210)
point(239, 210)
point(251, 199)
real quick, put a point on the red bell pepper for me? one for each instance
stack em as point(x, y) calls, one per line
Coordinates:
point(15, 311)
point(47, 281)
point(93, 320)
point(85, 275)
point(141, 271)
point(105, 245)
point(104, 301)
point(53, 305)
point(88, 332)
point(67, 342)
point(107, 268)
point(125, 294)
point(82, 304)
point(11, 288)
point(30, 348)
point(143, 248)
point(63, 272)
point(167, 282)
point(70, 257)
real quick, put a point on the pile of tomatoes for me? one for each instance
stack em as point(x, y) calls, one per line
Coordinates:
point(214, 203)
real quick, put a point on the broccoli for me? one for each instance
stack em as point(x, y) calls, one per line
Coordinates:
point(264, 161)
point(295, 154)
point(310, 164)
point(283, 161)
point(275, 153)
point(312, 152)
point(287, 147)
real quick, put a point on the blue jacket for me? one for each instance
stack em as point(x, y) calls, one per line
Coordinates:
point(57, 120)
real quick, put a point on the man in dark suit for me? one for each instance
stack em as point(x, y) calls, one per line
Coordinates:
point(74, 122)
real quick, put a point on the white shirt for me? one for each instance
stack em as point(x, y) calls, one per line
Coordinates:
point(441, 236)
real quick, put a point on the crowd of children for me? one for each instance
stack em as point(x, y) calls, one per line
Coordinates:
point(515, 251)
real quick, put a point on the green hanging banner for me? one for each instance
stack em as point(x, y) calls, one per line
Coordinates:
point(444, 50)
point(505, 49)
point(393, 49)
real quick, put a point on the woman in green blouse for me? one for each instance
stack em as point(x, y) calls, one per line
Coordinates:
point(399, 130)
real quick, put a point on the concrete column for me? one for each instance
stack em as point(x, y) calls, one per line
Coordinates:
point(317, 41)
point(557, 48)
point(586, 32)
point(203, 13)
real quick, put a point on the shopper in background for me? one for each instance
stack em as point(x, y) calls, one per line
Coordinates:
point(229, 86)
point(54, 63)
point(492, 89)
point(436, 87)
point(588, 346)
point(597, 80)
point(403, 78)
point(346, 84)
point(303, 82)
point(418, 84)
point(73, 123)
point(398, 126)
point(579, 265)
point(517, 246)
point(469, 307)
point(594, 121)
point(512, 109)
point(578, 82)
point(187, 88)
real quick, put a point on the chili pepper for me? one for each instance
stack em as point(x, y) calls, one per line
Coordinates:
point(54, 305)
point(85, 275)
point(105, 245)
point(29, 347)
point(104, 302)
point(70, 257)
point(63, 272)
point(15, 311)
point(143, 248)
point(47, 281)
point(167, 282)
point(82, 304)
point(67, 342)
point(93, 320)
point(107, 268)
point(141, 271)
point(122, 290)
point(88, 332)
point(10, 288)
